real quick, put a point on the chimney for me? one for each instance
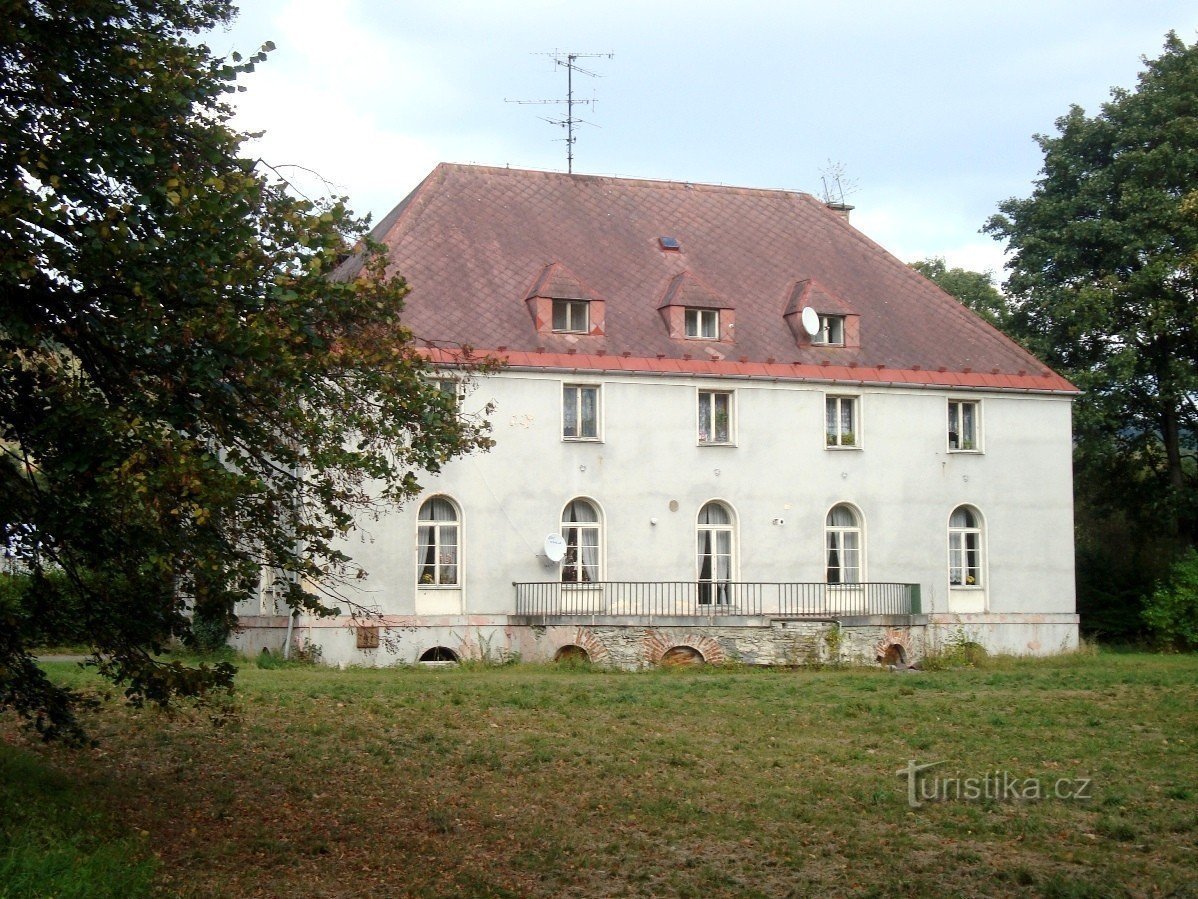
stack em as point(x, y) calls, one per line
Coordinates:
point(841, 209)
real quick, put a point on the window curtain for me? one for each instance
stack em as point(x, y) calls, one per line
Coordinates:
point(581, 526)
point(964, 549)
point(844, 547)
point(715, 554)
point(438, 542)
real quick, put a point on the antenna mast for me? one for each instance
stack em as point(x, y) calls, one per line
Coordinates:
point(569, 61)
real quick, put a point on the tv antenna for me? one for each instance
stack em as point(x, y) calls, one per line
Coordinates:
point(836, 186)
point(569, 61)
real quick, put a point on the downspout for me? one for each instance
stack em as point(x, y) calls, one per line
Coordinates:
point(290, 629)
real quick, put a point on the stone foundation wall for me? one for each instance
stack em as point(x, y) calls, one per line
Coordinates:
point(403, 641)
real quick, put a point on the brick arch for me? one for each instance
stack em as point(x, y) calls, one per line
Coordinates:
point(659, 642)
point(893, 637)
point(588, 641)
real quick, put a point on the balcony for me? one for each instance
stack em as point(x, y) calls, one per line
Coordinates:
point(713, 600)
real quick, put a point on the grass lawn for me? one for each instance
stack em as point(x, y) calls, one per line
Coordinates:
point(533, 781)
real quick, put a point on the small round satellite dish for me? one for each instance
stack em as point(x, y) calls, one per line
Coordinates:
point(810, 321)
point(555, 547)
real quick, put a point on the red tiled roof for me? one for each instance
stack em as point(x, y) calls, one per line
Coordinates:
point(473, 241)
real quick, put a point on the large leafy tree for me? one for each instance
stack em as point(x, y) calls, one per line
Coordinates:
point(1104, 280)
point(1104, 286)
point(186, 396)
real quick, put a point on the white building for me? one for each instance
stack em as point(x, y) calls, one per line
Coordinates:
point(757, 435)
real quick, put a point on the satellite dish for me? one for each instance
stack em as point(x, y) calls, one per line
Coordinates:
point(555, 547)
point(810, 321)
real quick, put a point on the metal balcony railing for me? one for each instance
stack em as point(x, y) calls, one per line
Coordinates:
point(710, 599)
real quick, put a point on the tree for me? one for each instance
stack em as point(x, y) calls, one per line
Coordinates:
point(975, 289)
point(187, 397)
point(1103, 285)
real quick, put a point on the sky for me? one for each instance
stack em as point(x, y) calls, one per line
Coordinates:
point(927, 109)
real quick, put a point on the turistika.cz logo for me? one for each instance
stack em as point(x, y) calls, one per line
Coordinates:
point(996, 786)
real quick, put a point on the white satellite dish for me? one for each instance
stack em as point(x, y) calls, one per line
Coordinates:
point(810, 321)
point(555, 547)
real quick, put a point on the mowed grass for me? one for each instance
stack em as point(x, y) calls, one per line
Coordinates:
point(533, 781)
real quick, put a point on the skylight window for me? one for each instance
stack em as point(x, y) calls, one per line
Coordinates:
point(670, 243)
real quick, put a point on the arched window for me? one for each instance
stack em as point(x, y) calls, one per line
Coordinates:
point(965, 548)
point(714, 557)
point(843, 540)
point(580, 528)
point(437, 543)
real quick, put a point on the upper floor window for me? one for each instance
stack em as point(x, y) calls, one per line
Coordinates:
point(571, 316)
point(841, 423)
point(703, 324)
point(580, 412)
point(437, 543)
point(715, 417)
point(450, 388)
point(714, 558)
point(831, 331)
point(580, 529)
point(963, 425)
point(965, 548)
point(843, 537)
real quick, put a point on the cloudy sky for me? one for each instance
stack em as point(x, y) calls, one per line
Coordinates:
point(927, 107)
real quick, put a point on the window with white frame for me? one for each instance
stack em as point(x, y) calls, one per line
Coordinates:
point(437, 543)
point(841, 424)
point(963, 421)
point(965, 548)
point(831, 331)
point(580, 412)
point(571, 316)
point(714, 558)
point(715, 416)
point(703, 324)
point(843, 540)
point(580, 530)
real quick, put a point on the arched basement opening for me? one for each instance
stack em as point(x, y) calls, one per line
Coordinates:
point(682, 655)
point(439, 654)
point(894, 655)
point(572, 652)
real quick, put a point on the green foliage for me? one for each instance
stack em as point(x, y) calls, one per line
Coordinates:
point(187, 396)
point(1172, 612)
point(1104, 284)
point(53, 844)
point(957, 651)
point(974, 289)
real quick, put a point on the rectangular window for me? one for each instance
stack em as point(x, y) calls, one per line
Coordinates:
point(580, 412)
point(715, 416)
point(571, 316)
point(841, 424)
point(963, 426)
point(451, 389)
point(965, 558)
point(831, 331)
point(703, 324)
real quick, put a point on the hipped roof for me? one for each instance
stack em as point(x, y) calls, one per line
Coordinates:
point(473, 241)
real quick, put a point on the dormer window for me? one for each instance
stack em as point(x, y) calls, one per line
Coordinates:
point(703, 324)
point(571, 316)
point(831, 331)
